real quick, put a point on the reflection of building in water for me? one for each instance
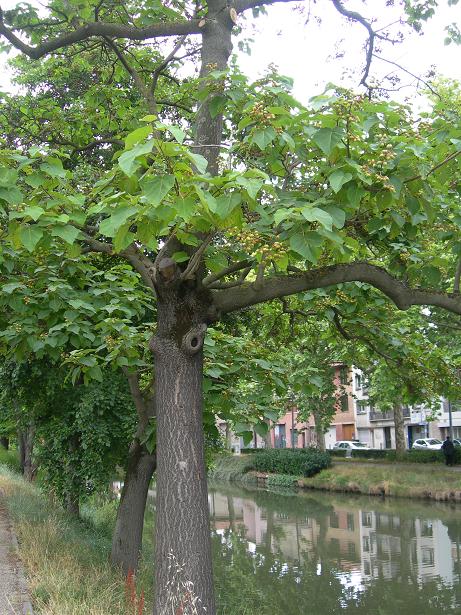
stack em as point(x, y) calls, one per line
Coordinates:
point(362, 543)
point(393, 546)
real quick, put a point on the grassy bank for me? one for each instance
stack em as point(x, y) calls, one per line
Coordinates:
point(66, 560)
point(399, 480)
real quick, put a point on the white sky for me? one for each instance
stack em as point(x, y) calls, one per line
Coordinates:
point(305, 51)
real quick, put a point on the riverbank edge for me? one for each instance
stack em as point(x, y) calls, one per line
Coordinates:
point(439, 484)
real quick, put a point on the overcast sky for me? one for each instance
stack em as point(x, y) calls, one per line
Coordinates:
point(304, 49)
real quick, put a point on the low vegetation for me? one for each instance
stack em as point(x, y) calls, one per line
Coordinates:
point(297, 462)
point(67, 561)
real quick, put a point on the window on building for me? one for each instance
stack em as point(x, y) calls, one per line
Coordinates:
point(367, 519)
point(366, 544)
point(343, 372)
point(361, 407)
point(427, 556)
point(350, 522)
point(358, 381)
point(334, 520)
point(344, 402)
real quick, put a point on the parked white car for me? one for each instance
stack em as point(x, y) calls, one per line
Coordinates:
point(349, 445)
point(428, 444)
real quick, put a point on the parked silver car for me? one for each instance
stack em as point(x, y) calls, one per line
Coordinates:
point(349, 445)
point(427, 444)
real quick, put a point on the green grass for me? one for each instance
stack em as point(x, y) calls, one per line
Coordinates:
point(415, 482)
point(66, 560)
point(9, 459)
point(232, 468)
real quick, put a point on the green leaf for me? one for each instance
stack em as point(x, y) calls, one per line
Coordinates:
point(155, 190)
point(9, 288)
point(12, 195)
point(180, 257)
point(338, 178)
point(30, 236)
point(110, 226)
point(34, 212)
point(327, 139)
point(261, 429)
point(217, 105)
point(137, 135)
point(308, 245)
point(95, 373)
point(198, 161)
point(185, 207)
point(227, 203)
point(127, 161)
point(53, 167)
point(177, 133)
point(264, 137)
point(315, 214)
point(68, 232)
point(251, 184)
point(337, 215)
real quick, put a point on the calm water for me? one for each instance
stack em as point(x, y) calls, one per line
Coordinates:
point(293, 554)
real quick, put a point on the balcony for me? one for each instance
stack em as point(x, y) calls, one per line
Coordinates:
point(387, 415)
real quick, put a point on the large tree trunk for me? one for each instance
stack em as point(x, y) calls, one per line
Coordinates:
point(399, 423)
point(26, 449)
point(5, 442)
point(127, 537)
point(319, 431)
point(183, 568)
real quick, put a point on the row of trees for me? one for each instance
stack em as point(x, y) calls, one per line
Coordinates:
point(143, 206)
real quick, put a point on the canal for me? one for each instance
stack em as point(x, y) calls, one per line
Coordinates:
point(283, 553)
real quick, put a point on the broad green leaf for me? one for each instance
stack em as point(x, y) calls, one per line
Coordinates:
point(68, 232)
point(110, 226)
point(180, 257)
point(261, 429)
point(307, 245)
point(217, 105)
point(338, 178)
point(9, 288)
point(12, 195)
point(177, 133)
point(264, 137)
point(251, 184)
point(29, 236)
point(227, 203)
point(186, 207)
point(354, 194)
point(127, 161)
point(327, 139)
point(53, 167)
point(199, 162)
point(34, 212)
point(137, 135)
point(154, 190)
point(315, 214)
point(338, 215)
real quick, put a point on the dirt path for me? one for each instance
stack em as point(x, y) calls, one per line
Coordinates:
point(13, 597)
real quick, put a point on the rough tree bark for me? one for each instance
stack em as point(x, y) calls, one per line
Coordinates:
point(129, 525)
point(400, 446)
point(127, 537)
point(182, 539)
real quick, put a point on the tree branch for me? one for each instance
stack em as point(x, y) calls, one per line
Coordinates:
point(100, 28)
point(282, 286)
point(457, 277)
point(214, 277)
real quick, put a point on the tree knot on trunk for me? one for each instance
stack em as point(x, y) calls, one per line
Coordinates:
point(192, 342)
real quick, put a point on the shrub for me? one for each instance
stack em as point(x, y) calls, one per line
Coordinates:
point(374, 454)
point(249, 451)
point(338, 452)
point(296, 462)
point(281, 480)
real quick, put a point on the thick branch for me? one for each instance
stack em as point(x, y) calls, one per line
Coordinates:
point(457, 277)
point(282, 286)
point(101, 29)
